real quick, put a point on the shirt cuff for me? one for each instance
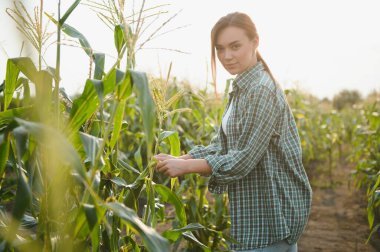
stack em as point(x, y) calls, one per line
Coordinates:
point(213, 185)
point(197, 152)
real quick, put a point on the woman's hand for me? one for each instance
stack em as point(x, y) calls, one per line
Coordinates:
point(171, 166)
point(162, 157)
point(177, 166)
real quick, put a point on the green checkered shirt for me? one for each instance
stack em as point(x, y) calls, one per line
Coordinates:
point(259, 162)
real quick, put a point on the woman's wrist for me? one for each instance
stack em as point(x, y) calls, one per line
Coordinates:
point(200, 166)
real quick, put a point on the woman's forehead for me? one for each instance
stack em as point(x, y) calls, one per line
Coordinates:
point(230, 35)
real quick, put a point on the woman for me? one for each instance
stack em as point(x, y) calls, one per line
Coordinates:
point(256, 155)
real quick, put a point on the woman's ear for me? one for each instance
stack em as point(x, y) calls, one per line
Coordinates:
point(255, 42)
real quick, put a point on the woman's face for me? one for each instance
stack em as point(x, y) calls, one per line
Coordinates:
point(235, 50)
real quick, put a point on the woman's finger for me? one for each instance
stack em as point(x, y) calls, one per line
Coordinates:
point(160, 166)
point(163, 156)
point(160, 157)
point(167, 173)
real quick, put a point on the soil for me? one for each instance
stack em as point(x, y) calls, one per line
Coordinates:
point(338, 220)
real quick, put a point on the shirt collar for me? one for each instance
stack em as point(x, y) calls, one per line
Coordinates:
point(244, 79)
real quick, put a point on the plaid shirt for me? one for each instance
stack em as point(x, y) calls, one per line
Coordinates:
point(259, 161)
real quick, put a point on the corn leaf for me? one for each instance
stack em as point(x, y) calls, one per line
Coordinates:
point(23, 197)
point(99, 60)
point(67, 153)
point(119, 38)
point(170, 197)
point(173, 139)
point(91, 146)
point(117, 122)
point(152, 240)
point(190, 236)
point(174, 234)
point(7, 117)
point(10, 82)
point(74, 33)
point(21, 137)
point(68, 12)
point(91, 215)
point(84, 106)
point(145, 100)
point(124, 89)
point(4, 152)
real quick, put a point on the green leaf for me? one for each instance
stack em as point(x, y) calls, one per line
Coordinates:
point(27, 67)
point(127, 167)
point(120, 182)
point(68, 12)
point(80, 229)
point(146, 103)
point(373, 231)
point(170, 197)
point(152, 240)
point(84, 106)
point(111, 79)
point(4, 152)
point(165, 134)
point(124, 86)
point(371, 216)
point(119, 38)
point(117, 123)
point(23, 197)
point(21, 137)
point(91, 215)
point(173, 138)
point(10, 82)
point(190, 236)
point(136, 188)
point(91, 146)
point(74, 33)
point(44, 82)
point(174, 234)
point(24, 65)
point(99, 60)
point(99, 87)
point(42, 79)
point(8, 116)
point(57, 142)
point(138, 158)
point(25, 83)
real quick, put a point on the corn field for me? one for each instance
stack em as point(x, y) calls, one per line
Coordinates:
point(77, 173)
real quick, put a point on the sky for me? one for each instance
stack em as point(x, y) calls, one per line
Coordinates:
point(320, 47)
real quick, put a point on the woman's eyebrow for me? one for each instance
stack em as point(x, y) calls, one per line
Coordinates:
point(230, 44)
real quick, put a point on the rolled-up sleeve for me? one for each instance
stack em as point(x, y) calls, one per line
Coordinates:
point(260, 118)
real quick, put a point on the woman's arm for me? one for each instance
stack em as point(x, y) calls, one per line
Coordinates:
point(175, 167)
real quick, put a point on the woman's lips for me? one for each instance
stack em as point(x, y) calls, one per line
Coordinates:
point(230, 65)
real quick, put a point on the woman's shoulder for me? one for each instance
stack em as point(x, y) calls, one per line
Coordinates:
point(263, 81)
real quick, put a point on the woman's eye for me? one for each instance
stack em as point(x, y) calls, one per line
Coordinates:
point(235, 47)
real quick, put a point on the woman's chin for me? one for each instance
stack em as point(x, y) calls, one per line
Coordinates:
point(232, 71)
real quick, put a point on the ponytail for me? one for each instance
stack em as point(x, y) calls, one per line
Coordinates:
point(259, 58)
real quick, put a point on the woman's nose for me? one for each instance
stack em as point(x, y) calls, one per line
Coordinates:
point(227, 54)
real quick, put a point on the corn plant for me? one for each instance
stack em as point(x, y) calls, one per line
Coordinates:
point(62, 199)
point(366, 143)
